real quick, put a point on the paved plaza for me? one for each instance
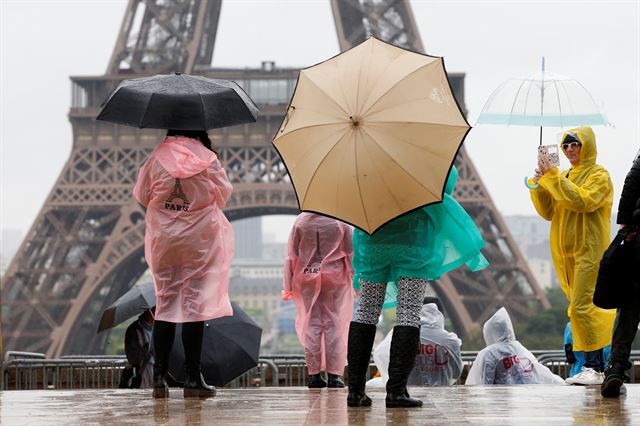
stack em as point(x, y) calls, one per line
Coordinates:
point(487, 405)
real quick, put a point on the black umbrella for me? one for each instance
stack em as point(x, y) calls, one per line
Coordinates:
point(230, 348)
point(134, 302)
point(178, 101)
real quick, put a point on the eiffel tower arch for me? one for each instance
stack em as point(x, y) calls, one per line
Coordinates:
point(86, 246)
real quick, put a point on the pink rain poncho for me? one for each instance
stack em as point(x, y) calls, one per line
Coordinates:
point(317, 275)
point(188, 240)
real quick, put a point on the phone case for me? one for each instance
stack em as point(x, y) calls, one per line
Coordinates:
point(551, 152)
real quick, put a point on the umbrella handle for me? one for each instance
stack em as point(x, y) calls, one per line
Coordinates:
point(526, 183)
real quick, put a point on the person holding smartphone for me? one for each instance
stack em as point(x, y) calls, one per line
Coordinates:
point(578, 203)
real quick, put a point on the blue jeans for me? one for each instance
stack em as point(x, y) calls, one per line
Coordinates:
point(595, 360)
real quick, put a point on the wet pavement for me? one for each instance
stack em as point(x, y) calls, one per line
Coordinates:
point(490, 405)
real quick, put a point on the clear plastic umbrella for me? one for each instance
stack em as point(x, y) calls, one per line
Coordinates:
point(542, 100)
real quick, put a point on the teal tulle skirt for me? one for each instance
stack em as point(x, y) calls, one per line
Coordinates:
point(426, 243)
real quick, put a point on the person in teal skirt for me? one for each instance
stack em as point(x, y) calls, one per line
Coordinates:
point(395, 263)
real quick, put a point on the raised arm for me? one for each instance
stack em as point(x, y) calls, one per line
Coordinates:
point(584, 198)
point(543, 202)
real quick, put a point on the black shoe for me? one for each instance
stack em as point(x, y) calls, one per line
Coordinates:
point(196, 387)
point(614, 377)
point(402, 357)
point(335, 381)
point(160, 387)
point(401, 400)
point(358, 357)
point(316, 381)
point(358, 399)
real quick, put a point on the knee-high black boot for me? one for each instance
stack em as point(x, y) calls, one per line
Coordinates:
point(194, 385)
point(358, 355)
point(402, 357)
point(163, 335)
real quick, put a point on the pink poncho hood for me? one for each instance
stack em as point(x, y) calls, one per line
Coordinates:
point(183, 157)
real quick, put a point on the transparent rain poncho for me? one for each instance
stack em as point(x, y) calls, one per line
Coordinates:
point(438, 359)
point(188, 241)
point(505, 361)
point(317, 276)
point(425, 243)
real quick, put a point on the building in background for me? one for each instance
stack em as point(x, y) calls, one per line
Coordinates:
point(255, 286)
point(248, 236)
point(531, 233)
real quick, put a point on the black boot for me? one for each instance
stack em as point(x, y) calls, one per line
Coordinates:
point(163, 335)
point(194, 385)
point(316, 381)
point(335, 381)
point(358, 356)
point(402, 357)
point(160, 387)
point(614, 377)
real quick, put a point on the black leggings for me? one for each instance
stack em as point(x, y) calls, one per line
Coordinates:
point(163, 334)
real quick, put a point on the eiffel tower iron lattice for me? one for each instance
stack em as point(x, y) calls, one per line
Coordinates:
point(86, 246)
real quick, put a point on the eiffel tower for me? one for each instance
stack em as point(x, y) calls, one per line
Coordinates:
point(86, 246)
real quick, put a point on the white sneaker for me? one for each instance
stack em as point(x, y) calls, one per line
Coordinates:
point(588, 376)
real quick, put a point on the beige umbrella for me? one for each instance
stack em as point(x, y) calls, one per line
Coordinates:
point(371, 134)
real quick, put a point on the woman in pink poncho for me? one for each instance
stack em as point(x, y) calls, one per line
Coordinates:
point(188, 246)
point(317, 275)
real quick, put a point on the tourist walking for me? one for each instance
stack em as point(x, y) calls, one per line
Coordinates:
point(188, 247)
point(578, 204)
point(628, 314)
point(405, 252)
point(318, 276)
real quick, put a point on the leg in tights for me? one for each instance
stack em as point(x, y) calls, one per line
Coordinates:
point(163, 335)
point(371, 300)
point(410, 296)
point(192, 343)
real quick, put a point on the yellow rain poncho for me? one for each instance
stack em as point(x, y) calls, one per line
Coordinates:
point(578, 204)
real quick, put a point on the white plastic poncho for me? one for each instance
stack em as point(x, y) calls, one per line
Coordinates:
point(438, 359)
point(505, 361)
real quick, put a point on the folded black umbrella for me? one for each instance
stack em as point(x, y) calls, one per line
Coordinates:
point(230, 347)
point(178, 101)
point(134, 302)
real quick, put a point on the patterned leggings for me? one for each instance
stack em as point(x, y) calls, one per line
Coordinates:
point(410, 296)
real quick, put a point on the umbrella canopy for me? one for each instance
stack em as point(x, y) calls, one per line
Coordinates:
point(542, 100)
point(371, 134)
point(230, 348)
point(138, 299)
point(178, 101)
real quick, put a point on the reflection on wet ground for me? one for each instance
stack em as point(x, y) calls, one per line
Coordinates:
point(493, 405)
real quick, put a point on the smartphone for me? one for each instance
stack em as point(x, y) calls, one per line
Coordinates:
point(552, 152)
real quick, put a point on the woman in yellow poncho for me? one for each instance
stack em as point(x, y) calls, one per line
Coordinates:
point(578, 204)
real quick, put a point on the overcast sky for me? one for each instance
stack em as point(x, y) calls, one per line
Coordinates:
point(595, 42)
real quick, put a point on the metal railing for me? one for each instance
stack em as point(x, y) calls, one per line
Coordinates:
point(28, 370)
